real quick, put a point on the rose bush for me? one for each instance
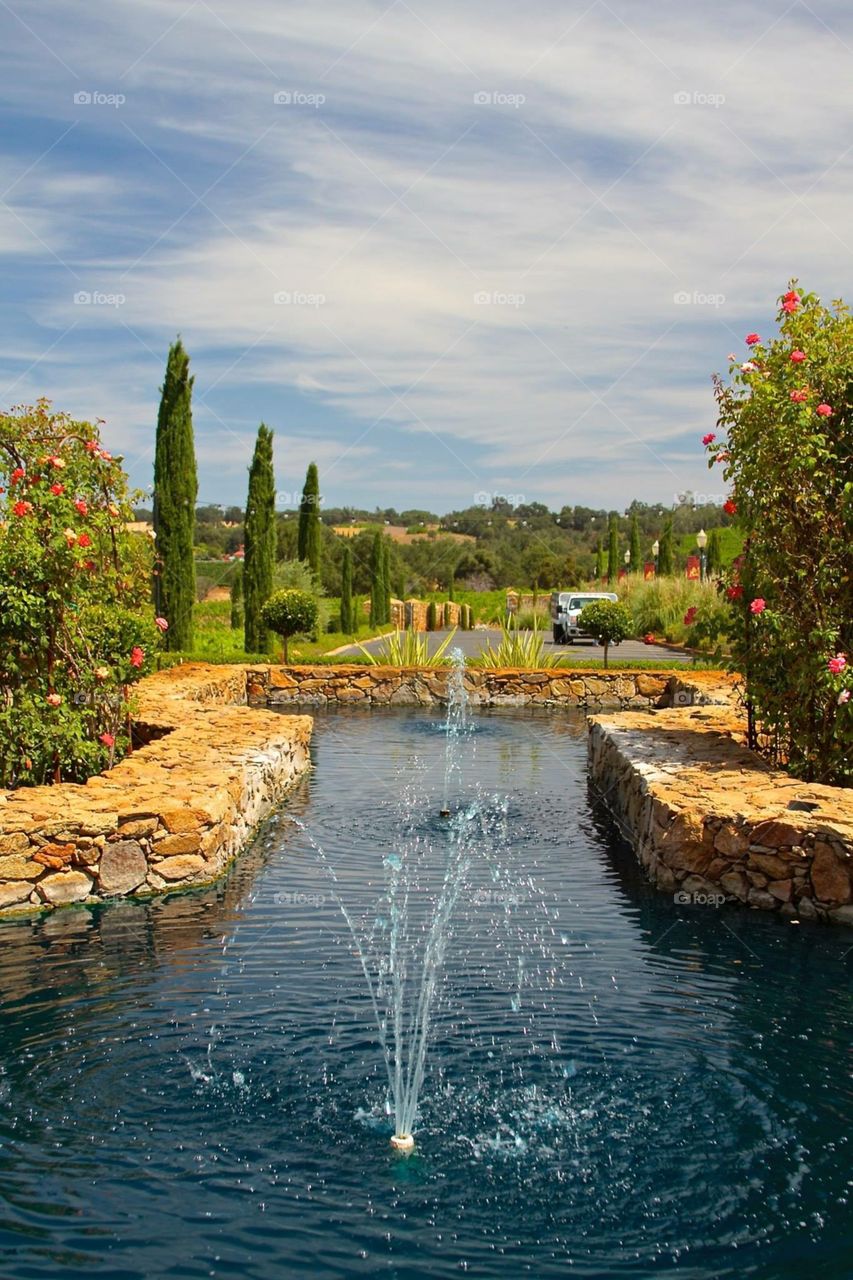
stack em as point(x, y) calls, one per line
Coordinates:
point(788, 455)
point(76, 624)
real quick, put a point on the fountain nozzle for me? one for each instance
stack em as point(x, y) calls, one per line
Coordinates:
point(444, 813)
point(403, 1142)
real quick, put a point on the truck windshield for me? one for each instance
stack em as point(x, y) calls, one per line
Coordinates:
point(578, 602)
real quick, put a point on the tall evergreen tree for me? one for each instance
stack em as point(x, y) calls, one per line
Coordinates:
point(259, 543)
point(377, 584)
point(386, 580)
point(347, 614)
point(636, 548)
point(666, 554)
point(451, 587)
point(310, 545)
point(237, 600)
point(175, 493)
point(613, 548)
point(601, 561)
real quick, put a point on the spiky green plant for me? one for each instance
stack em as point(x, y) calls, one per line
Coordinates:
point(409, 649)
point(523, 649)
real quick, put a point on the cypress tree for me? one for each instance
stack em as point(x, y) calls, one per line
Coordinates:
point(347, 615)
point(175, 492)
point(450, 590)
point(377, 594)
point(666, 557)
point(237, 600)
point(431, 616)
point(613, 549)
point(386, 582)
point(636, 549)
point(309, 545)
point(259, 543)
point(601, 561)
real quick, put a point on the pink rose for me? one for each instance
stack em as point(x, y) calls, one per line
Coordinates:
point(837, 664)
point(709, 438)
point(758, 605)
point(749, 366)
point(107, 739)
point(844, 696)
point(797, 357)
point(57, 462)
point(752, 339)
point(137, 656)
point(799, 397)
point(824, 410)
point(161, 624)
point(53, 700)
point(81, 506)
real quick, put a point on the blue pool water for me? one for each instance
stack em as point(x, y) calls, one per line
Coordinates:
point(617, 1085)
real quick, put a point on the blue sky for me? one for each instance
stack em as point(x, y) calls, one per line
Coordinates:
point(470, 250)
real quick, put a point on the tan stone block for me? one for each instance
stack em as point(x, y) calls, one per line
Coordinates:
point(123, 868)
point(769, 864)
point(830, 878)
point(178, 821)
point(140, 827)
point(15, 843)
point(730, 841)
point(20, 869)
point(774, 834)
point(282, 680)
point(781, 889)
point(14, 893)
point(187, 842)
point(55, 856)
point(649, 686)
point(735, 883)
point(64, 887)
point(181, 868)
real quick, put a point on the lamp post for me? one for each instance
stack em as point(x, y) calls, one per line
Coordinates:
point(701, 543)
point(627, 556)
point(656, 553)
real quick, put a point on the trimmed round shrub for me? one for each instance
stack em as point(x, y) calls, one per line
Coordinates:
point(289, 613)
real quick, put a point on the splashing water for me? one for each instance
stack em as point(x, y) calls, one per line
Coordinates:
point(402, 947)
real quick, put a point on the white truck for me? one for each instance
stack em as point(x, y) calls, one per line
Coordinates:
point(566, 608)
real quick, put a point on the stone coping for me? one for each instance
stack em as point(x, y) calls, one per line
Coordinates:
point(710, 820)
point(172, 815)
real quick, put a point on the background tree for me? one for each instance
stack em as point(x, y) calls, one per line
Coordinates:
point(608, 620)
point(175, 493)
point(714, 561)
point(666, 554)
point(386, 581)
point(310, 542)
point(636, 546)
point(347, 613)
point(601, 561)
point(377, 582)
point(289, 613)
point(260, 543)
point(613, 548)
point(237, 600)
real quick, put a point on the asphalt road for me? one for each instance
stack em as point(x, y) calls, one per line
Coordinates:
point(472, 644)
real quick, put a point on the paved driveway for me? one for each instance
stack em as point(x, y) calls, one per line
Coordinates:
point(472, 644)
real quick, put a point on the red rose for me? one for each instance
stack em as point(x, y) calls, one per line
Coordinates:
point(752, 339)
point(57, 489)
point(734, 593)
point(84, 540)
point(107, 739)
point(22, 508)
point(791, 296)
point(799, 397)
point(824, 410)
point(797, 357)
point(137, 656)
point(709, 438)
point(730, 507)
point(81, 506)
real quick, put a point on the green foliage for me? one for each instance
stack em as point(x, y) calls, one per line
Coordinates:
point(666, 554)
point(386, 582)
point(289, 613)
point(636, 564)
point(609, 621)
point(451, 586)
point(76, 626)
point(175, 492)
point(601, 561)
point(310, 540)
point(659, 607)
point(517, 649)
point(788, 455)
point(613, 548)
point(237, 602)
point(714, 553)
point(260, 544)
point(347, 614)
point(378, 594)
point(408, 649)
point(432, 616)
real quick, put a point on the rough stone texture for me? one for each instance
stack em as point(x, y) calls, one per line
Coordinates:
point(698, 807)
point(423, 686)
point(173, 813)
point(123, 867)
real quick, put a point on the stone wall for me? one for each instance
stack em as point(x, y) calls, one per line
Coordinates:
point(424, 686)
point(710, 822)
point(171, 815)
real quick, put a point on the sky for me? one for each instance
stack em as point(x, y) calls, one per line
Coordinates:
point(447, 251)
